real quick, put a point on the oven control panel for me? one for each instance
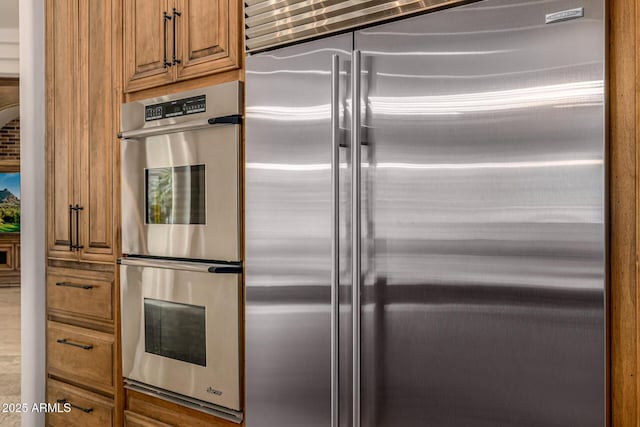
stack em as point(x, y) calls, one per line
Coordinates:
point(179, 107)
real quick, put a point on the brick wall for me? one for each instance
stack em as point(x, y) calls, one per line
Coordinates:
point(10, 141)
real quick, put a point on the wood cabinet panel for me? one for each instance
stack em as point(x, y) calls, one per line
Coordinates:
point(82, 90)
point(83, 293)
point(203, 36)
point(10, 259)
point(84, 93)
point(131, 419)
point(6, 257)
point(144, 43)
point(61, 124)
point(97, 138)
point(624, 197)
point(80, 355)
point(208, 37)
point(98, 410)
point(170, 413)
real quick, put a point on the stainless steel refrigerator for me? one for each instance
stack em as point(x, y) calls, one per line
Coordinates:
point(440, 259)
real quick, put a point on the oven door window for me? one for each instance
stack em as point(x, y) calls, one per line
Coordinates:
point(176, 331)
point(175, 195)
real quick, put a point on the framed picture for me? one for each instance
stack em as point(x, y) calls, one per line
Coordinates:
point(9, 202)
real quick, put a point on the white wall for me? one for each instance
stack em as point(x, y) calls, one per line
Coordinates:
point(9, 51)
point(32, 191)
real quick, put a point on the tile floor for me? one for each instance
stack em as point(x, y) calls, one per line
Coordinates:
point(9, 353)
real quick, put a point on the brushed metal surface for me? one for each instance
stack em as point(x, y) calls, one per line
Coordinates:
point(199, 267)
point(336, 140)
point(356, 232)
point(219, 295)
point(221, 100)
point(179, 399)
point(288, 227)
point(216, 147)
point(174, 128)
point(484, 301)
point(482, 222)
point(272, 23)
point(218, 239)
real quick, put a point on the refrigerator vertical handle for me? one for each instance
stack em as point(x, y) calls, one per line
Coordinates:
point(355, 229)
point(335, 234)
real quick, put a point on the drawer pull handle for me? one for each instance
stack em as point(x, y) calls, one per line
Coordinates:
point(85, 410)
point(82, 346)
point(73, 285)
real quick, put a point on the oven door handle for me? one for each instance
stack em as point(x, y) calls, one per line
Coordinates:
point(235, 269)
point(200, 267)
point(233, 119)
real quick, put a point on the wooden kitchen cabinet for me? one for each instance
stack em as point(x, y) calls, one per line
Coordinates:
point(143, 410)
point(87, 295)
point(131, 419)
point(62, 32)
point(82, 101)
point(166, 41)
point(208, 37)
point(87, 410)
point(83, 97)
point(81, 355)
point(146, 43)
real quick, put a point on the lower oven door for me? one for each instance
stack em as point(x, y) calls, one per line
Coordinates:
point(180, 328)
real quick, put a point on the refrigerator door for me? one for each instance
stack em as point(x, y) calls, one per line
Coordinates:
point(484, 261)
point(289, 231)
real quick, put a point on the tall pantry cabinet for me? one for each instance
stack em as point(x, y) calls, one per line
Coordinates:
point(83, 98)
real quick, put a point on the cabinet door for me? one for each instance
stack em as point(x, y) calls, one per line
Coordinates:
point(62, 18)
point(144, 44)
point(97, 142)
point(207, 37)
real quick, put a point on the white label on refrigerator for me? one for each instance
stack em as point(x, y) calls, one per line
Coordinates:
point(564, 15)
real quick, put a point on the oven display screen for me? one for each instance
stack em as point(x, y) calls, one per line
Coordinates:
point(180, 107)
point(175, 195)
point(176, 331)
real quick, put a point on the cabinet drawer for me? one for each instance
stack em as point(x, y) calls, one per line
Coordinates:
point(86, 296)
point(81, 355)
point(131, 419)
point(161, 413)
point(87, 410)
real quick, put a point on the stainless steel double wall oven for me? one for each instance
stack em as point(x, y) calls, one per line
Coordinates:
point(181, 267)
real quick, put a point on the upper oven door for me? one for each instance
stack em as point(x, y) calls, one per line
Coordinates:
point(180, 174)
point(180, 194)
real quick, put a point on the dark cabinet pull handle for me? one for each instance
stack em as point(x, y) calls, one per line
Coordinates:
point(82, 346)
point(78, 208)
point(165, 18)
point(70, 228)
point(85, 410)
point(73, 285)
point(175, 36)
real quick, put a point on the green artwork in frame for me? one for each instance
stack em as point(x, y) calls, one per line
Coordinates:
point(10, 202)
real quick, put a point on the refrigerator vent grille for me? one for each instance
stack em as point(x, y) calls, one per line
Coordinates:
point(271, 23)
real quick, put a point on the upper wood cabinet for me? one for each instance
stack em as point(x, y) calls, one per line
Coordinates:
point(82, 100)
point(172, 40)
point(147, 32)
